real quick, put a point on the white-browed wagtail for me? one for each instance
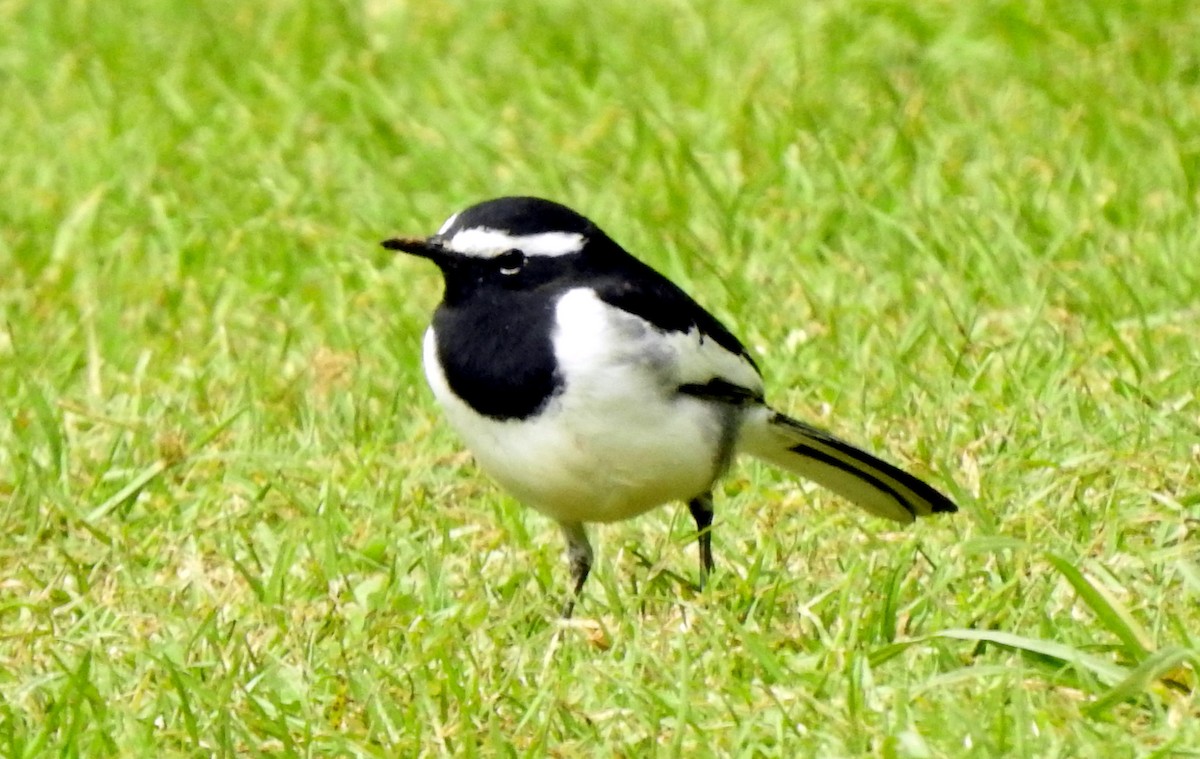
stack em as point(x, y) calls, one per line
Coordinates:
point(594, 389)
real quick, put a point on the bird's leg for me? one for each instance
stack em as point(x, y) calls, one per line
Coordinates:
point(579, 556)
point(702, 511)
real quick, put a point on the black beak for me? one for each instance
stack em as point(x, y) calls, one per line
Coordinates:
point(417, 246)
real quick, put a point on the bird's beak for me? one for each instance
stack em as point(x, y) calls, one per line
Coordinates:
point(418, 246)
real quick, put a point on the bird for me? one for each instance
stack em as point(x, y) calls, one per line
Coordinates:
point(594, 389)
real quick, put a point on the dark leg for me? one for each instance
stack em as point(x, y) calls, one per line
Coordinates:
point(579, 556)
point(702, 511)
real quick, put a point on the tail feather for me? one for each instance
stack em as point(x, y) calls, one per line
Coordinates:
point(869, 482)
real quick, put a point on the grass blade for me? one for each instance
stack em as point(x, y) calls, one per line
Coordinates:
point(129, 491)
point(1112, 613)
point(1154, 668)
point(1103, 670)
point(154, 470)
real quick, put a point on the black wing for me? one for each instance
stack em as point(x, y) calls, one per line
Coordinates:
point(640, 290)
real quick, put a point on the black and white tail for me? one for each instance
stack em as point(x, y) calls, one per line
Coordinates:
point(813, 453)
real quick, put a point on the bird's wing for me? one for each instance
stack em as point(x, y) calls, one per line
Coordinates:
point(711, 362)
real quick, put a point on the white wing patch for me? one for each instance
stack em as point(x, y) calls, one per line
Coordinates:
point(593, 335)
point(447, 224)
point(485, 242)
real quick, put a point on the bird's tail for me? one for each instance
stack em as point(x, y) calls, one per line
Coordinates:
point(813, 453)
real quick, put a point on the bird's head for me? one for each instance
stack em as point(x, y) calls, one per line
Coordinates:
point(511, 243)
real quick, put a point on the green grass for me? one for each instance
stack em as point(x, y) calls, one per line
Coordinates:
point(232, 521)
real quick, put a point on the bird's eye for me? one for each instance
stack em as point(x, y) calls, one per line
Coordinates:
point(510, 261)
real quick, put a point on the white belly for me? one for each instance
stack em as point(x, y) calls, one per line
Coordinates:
point(617, 441)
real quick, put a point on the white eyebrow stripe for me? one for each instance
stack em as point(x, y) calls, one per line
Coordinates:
point(484, 242)
point(447, 224)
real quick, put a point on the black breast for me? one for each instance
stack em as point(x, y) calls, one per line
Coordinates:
point(499, 360)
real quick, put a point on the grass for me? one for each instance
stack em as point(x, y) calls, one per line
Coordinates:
point(233, 522)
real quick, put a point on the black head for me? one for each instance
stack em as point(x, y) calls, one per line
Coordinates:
point(512, 243)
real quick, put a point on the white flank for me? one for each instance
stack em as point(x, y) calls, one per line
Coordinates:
point(484, 242)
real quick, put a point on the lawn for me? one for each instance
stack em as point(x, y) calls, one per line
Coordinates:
point(233, 522)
